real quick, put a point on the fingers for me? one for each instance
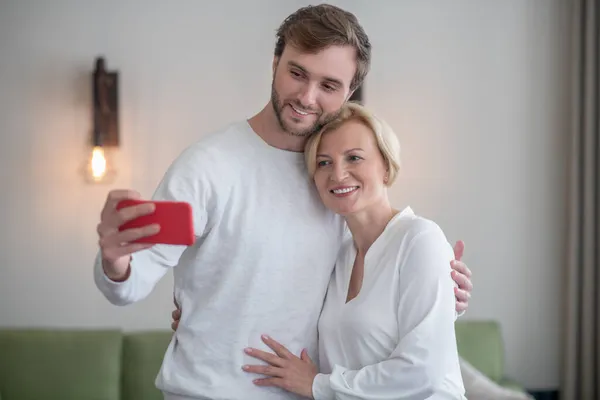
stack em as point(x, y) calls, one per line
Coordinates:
point(462, 280)
point(460, 307)
point(462, 300)
point(460, 267)
point(117, 238)
point(115, 196)
point(176, 315)
point(277, 347)
point(114, 243)
point(268, 370)
point(266, 357)
point(459, 249)
point(126, 214)
point(462, 296)
point(461, 275)
point(112, 219)
point(278, 382)
point(113, 253)
point(305, 357)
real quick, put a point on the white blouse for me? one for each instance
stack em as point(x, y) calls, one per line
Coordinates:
point(395, 339)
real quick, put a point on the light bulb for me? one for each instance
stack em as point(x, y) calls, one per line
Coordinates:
point(98, 167)
point(98, 163)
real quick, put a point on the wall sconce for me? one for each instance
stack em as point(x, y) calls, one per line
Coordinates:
point(105, 129)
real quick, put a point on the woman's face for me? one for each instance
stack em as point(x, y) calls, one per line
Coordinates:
point(350, 169)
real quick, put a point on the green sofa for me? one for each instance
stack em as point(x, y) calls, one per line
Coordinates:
point(38, 364)
point(480, 343)
point(47, 364)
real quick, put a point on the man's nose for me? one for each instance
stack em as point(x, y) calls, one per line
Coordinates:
point(308, 96)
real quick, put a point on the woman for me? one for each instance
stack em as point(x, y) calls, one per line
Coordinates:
point(387, 326)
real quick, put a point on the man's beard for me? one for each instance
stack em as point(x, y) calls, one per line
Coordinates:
point(278, 109)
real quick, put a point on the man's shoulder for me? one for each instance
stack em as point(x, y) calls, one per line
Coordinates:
point(223, 140)
point(217, 146)
point(209, 158)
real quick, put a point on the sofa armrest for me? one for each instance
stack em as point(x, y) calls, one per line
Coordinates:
point(511, 384)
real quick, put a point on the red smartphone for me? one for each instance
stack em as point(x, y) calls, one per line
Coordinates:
point(175, 219)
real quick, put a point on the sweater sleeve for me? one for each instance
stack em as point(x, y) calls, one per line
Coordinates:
point(427, 344)
point(184, 181)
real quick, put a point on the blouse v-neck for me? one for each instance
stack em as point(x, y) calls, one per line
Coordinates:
point(352, 253)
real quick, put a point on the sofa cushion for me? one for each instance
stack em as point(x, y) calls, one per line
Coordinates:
point(60, 364)
point(143, 353)
point(480, 343)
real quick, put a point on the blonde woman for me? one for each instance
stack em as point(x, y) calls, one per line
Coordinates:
point(386, 330)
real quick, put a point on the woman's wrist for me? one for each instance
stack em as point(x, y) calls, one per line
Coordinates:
point(321, 388)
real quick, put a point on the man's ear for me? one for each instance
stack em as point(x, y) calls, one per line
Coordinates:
point(275, 64)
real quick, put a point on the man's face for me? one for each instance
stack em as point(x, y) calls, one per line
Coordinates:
point(308, 90)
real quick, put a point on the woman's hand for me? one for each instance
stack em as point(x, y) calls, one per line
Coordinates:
point(285, 370)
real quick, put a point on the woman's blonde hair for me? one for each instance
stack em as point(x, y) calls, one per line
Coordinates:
point(386, 139)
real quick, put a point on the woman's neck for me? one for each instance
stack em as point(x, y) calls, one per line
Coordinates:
point(367, 225)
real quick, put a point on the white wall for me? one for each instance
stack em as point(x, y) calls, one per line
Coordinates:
point(477, 91)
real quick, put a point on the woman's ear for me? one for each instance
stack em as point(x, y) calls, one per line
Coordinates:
point(386, 177)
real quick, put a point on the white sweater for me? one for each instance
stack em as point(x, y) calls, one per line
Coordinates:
point(265, 250)
point(395, 340)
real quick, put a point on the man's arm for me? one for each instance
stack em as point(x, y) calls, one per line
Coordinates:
point(126, 272)
point(146, 269)
point(461, 274)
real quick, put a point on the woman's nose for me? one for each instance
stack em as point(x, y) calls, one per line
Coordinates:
point(339, 173)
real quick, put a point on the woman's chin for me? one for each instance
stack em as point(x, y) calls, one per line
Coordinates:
point(341, 209)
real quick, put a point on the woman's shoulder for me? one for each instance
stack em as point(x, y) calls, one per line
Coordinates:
point(418, 237)
point(407, 226)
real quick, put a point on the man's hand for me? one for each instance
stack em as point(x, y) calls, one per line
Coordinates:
point(116, 247)
point(176, 315)
point(285, 370)
point(461, 274)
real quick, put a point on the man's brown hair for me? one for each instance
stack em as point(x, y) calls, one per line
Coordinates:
point(314, 28)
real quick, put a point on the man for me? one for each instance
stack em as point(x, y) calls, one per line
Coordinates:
point(266, 245)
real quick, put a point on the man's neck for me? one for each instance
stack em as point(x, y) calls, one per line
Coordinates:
point(266, 126)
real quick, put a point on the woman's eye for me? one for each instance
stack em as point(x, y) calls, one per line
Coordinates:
point(321, 163)
point(354, 158)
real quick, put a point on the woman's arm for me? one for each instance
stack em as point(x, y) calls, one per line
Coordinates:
point(427, 346)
